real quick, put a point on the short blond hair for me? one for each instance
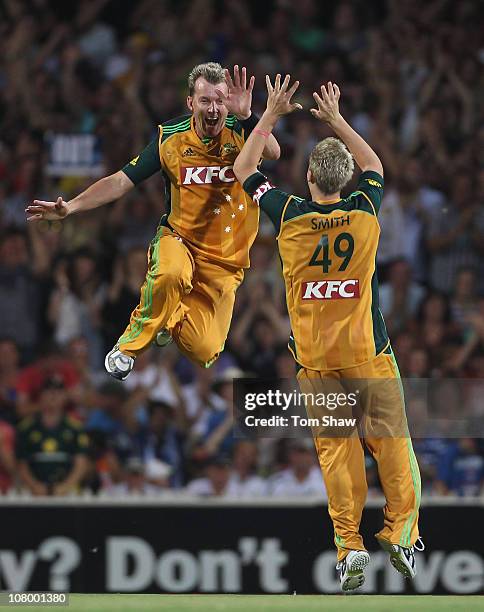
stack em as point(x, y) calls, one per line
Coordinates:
point(331, 165)
point(211, 72)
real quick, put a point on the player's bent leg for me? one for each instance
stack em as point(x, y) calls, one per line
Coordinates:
point(202, 333)
point(397, 466)
point(168, 280)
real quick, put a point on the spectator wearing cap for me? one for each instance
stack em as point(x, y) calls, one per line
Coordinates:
point(51, 448)
point(31, 379)
point(135, 482)
point(302, 477)
point(215, 481)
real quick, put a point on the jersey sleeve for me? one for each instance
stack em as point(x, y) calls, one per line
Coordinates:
point(145, 164)
point(269, 198)
point(371, 184)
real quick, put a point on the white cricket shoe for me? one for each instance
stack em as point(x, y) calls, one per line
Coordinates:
point(350, 570)
point(117, 364)
point(403, 558)
point(163, 338)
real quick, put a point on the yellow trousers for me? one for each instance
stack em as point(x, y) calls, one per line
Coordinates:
point(342, 459)
point(189, 296)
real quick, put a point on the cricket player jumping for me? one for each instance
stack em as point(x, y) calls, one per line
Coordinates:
point(196, 260)
point(328, 248)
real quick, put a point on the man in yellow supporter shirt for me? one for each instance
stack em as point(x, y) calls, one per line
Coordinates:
point(196, 260)
point(328, 248)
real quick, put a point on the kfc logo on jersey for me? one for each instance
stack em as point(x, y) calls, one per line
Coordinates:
point(261, 191)
point(331, 290)
point(207, 175)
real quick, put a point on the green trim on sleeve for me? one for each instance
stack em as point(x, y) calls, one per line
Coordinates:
point(371, 184)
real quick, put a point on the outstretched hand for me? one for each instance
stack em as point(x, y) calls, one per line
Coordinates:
point(238, 100)
point(279, 96)
point(49, 211)
point(328, 103)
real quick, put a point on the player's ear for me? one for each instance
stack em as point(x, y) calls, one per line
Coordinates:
point(310, 176)
point(190, 103)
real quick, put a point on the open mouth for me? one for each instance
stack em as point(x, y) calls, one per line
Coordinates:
point(212, 122)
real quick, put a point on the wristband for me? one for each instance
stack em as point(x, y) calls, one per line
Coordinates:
point(249, 123)
point(262, 133)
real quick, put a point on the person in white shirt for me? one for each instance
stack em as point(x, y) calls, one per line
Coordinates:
point(302, 477)
point(135, 482)
point(215, 481)
point(243, 483)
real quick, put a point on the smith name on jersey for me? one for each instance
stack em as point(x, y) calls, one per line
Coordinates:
point(328, 251)
point(207, 207)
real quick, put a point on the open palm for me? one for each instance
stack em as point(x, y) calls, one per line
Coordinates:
point(238, 100)
point(50, 211)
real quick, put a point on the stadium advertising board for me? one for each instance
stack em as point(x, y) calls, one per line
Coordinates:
point(211, 548)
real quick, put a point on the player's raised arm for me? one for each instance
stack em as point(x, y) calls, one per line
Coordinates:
point(238, 102)
point(328, 111)
point(105, 190)
point(278, 104)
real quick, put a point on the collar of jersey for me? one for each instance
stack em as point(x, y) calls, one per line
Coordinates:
point(323, 202)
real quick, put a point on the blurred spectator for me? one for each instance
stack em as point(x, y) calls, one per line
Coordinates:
point(51, 448)
point(455, 235)
point(19, 293)
point(163, 450)
point(155, 380)
point(214, 482)
point(243, 482)
point(461, 470)
point(212, 433)
point(31, 379)
point(259, 331)
point(9, 362)
point(400, 296)
point(134, 482)
point(7, 456)
point(464, 299)
point(75, 305)
point(302, 477)
point(123, 293)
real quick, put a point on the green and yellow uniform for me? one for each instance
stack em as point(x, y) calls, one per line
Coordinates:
point(50, 452)
point(328, 251)
point(197, 257)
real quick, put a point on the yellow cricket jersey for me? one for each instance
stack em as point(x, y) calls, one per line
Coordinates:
point(207, 206)
point(328, 253)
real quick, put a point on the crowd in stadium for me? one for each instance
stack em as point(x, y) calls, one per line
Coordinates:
point(116, 70)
